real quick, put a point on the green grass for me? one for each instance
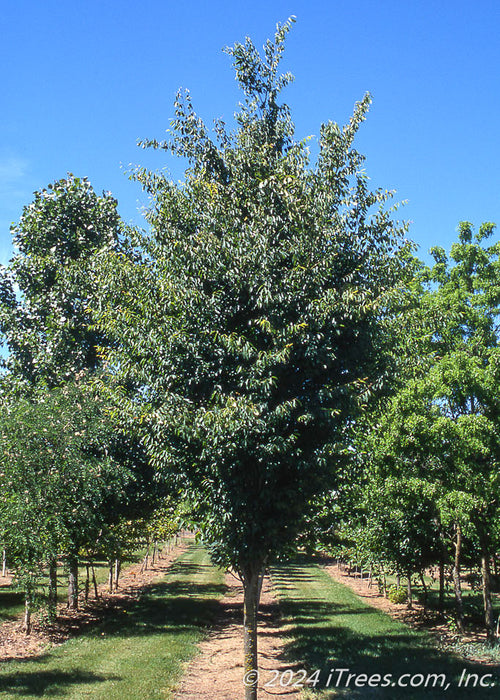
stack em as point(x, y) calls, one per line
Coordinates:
point(333, 628)
point(136, 653)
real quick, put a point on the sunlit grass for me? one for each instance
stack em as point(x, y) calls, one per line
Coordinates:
point(138, 650)
point(332, 628)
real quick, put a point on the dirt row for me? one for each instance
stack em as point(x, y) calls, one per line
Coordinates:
point(217, 672)
point(416, 617)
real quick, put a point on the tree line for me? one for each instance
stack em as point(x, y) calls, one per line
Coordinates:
point(429, 491)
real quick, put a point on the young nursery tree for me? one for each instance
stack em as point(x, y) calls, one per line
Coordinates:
point(248, 318)
point(47, 293)
point(442, 426)
point(59, 486)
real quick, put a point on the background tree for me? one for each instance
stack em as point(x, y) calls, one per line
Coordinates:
point(248, 319)
point(60, 487)
point(46, 291)
point(400, 529)
point(442, 426)
point(47, 294)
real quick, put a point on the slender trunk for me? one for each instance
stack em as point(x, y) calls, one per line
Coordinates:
point(486, 586)
point(110, 577)
point(370, 576)
point(252, 583)
point(441, 586)
point(27, 613)
point(398, 580)
point(117, 572)
point(4, 562)
point(410, 592)
point(73, 583)
point(456, 580)
point(52, 601)
point(87, 582)
point(96, 591)
point(424, 588)
point(384, 582)
point(144, 566)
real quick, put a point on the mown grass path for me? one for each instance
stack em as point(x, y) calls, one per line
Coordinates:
point(137, 652)
point(332, 628)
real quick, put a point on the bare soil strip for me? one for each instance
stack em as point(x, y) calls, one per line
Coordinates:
point(217, 672)
point(15, 644)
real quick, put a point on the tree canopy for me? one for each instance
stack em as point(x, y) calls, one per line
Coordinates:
point(46, 290)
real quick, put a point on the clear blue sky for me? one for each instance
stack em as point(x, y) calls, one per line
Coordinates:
point(82, 81)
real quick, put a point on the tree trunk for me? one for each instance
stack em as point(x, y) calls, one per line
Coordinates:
point(117, 572)
point(424, 587)
point(52, 601)
point(144, 566)
point(441, 586)
point(87, 582)
point(96, 590)
point(27, 613)
point(73, 583)
point(384, 582)
point(410, 592)
point(252, 583)
point(4, 562)
point(110, 577)
point(486, 586)
point(456, 580)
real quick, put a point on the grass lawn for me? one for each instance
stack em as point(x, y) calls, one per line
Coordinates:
point(137, 652)
point(334, 629)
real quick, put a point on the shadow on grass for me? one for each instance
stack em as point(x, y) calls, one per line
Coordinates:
point(47, 682)
point(172, 607)
point(175, 605)
point(11, 602)
point(165, 607)
point(324, 639)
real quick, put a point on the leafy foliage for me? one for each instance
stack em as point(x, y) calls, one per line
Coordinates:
point(59, 487)
point(248, 320)
point(46, 291)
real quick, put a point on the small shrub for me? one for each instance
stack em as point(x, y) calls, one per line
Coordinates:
point(397, 595)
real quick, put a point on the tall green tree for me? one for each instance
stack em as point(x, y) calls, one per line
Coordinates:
point(248, 319)
point(47, 290)
point(47, 295)
point(443, 424)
